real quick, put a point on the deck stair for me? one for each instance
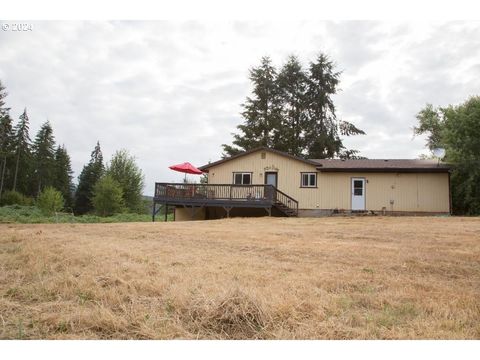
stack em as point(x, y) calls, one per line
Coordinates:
point(285, 209)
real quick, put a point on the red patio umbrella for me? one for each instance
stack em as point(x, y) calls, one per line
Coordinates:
point(186, 168)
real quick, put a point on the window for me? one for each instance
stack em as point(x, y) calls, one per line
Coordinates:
point(358, 187)
point(264, 155)
point(309, 180)
point(242, 178)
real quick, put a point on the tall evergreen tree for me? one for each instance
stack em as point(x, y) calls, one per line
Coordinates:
point(3, 95)
point(63, 176)
point(324, 129)
point(89, 176)
point(294, 111)
point(44, 156)
point(22, 146)
point(262, 111)
point(6, 137)
point(292, 83)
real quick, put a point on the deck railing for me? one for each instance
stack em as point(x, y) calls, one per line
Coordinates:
point(287, 201)
point(209, 193)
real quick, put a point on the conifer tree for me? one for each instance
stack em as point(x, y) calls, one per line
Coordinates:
point(292, 82)
point(3, 95)
point(63, 176)
point(6, 137)
point(262, 111)
point(44, 157)
point(293, 111)
point(22, 146)
point(91, 173)
point(324, 129)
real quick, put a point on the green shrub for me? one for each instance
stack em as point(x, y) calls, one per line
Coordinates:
point(108, 197)
point(123, 168)
point(15, 198)
point(50, 201)
point(33, 215)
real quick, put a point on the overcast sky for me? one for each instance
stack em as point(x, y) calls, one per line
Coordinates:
point(171, 91)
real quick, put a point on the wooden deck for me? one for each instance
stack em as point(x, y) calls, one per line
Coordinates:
point(227, 196)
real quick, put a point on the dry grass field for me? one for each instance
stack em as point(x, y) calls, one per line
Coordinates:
point(263, 278)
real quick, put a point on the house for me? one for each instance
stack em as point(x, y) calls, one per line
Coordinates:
point(264, 181)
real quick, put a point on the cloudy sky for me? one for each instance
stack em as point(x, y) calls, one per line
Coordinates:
point(170, 91)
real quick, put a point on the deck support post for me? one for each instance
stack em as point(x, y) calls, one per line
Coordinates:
point(155, 211)
point(269, 211)
point(166, 212)
point(227, 209)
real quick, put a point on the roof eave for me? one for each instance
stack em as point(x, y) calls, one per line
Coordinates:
point(382, 170)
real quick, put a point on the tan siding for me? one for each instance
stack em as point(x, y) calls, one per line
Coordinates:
point(433, 192)
point(288, 172)
point(185, 214)
point(409, 191)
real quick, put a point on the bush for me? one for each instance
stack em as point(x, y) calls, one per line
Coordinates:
point(15, 198)
point(124, 169)
point(33, 215)
point(50, 201)
point(108, 197)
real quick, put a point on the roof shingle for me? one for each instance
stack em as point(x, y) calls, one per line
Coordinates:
point(380, 165)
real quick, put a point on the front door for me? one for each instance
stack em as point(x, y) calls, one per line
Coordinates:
point(270, 179)
point(358, 194)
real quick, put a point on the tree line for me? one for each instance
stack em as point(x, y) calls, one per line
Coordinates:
point(41, 171)
point(457, 130)
point(292, 110)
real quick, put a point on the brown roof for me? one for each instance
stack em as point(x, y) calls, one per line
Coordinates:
point(357, 165)
point(381, 165)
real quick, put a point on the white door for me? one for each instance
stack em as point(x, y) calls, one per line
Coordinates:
point(358, 194)
point(271, 178)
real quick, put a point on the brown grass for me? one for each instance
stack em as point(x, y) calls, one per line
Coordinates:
point(264, 278)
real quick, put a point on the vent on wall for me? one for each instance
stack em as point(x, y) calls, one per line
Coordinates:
point(263, 155)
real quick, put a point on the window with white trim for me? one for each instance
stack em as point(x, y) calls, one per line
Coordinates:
point(309, 180)
point(242, 178)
